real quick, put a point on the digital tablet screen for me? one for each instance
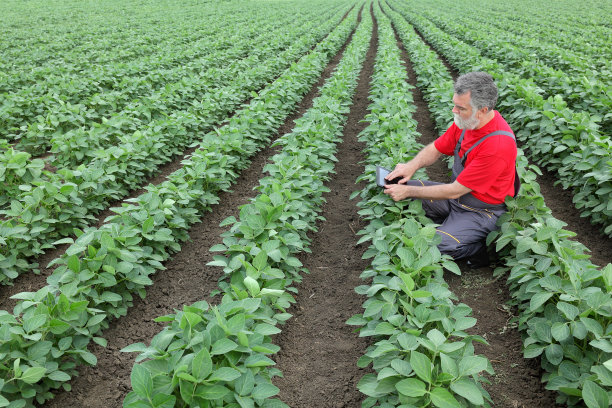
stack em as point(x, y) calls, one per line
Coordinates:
point(381, 173)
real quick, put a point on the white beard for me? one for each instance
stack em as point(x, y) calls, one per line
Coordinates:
point(469, 124)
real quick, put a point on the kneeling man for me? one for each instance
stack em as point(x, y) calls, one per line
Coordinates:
point(484, 171)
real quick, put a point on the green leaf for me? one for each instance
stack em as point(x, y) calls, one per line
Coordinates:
point(468, 390)
point(223, 346)
point(554, 353)
point(74, 264)
point(449, 365)
point(560, 331)
point(134, 348)
point(142, 382)
point(34, 322)
point(411, 387)
point(524, 245)
point(421, 365)
point(367, 385)
point(261, 260)
point(470, 365)
point(602, 344)
point(442, 398)
point(224, 374)
point(148, 225)
point(436, 337)
point(570, 311)
point(211, 392)
point(593, 326)
point(110, 297)
point(266, 329)
point(258, 360)
point(452, 267)
point(59, 376)
point(533, 350)
point(420, 294)
point(402, 367)
point(538, 300)
point(33, 375)
point(101, 341)
point(244, 402)
point(164, 401)
point(202, 364)
point(594, 396)
point(252, 286)
point(265, 390)
point(95, 319)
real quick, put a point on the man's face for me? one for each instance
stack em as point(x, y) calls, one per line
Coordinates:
point(465, 115)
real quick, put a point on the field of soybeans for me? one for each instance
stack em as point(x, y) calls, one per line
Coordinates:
point(189, 215)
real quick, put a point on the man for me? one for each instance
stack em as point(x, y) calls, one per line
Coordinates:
point(484, 171)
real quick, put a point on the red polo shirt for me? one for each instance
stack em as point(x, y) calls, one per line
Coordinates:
point(489, 168)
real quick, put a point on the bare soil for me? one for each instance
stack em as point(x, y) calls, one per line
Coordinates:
point(319, 352)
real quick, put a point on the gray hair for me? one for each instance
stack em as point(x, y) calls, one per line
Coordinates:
point(482, 88)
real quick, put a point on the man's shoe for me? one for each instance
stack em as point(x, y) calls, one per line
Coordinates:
point(479, 259)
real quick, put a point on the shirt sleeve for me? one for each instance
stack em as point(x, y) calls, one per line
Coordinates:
point(482, 172)
point(447, 142)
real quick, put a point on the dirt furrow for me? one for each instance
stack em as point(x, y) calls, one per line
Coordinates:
point(516, 383)
point(186, 280)
point(319, 351)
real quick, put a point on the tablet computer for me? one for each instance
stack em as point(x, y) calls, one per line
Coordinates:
point(381, 173)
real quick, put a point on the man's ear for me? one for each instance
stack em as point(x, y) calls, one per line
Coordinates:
point(483, 111)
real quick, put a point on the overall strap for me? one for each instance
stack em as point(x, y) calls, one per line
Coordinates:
point(497, 132)
point(458, 146)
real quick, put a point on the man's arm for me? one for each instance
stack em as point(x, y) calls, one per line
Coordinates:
point(436, 192)
point(426, 157)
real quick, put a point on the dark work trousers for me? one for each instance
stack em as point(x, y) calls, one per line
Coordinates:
point(466, 221)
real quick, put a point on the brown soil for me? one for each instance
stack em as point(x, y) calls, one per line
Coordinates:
point(319, 352)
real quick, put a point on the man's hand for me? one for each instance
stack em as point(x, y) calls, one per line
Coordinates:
point(397, 191)
point(404, 170)
point(436, 192)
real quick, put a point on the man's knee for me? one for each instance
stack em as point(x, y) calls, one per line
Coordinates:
point(452, 246)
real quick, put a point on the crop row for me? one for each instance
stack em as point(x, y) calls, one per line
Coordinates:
point(57, 101)
point(77, 121)
point(47, 336)
point(76, 132)
point(421, 354)
point(216, 356)
point(583, 88)
point(587, 38)
point(111, 46)
point(556, 136)
point(582, 28)
point(52, 209)
point(564, 301)
point(530, 38)
point(25, 45)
